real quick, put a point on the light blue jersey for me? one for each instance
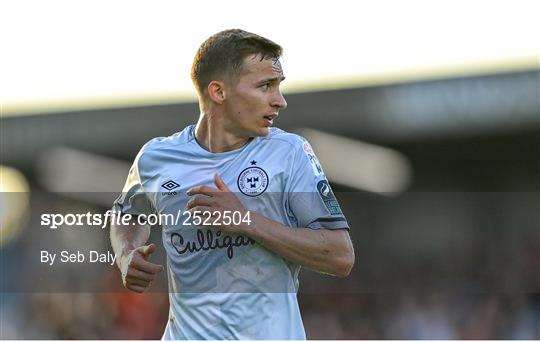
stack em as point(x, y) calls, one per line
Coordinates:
point(221, 286)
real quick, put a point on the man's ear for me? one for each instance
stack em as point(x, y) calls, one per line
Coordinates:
point(216, 92)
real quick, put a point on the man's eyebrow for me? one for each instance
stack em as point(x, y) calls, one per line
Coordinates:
point(272, 79)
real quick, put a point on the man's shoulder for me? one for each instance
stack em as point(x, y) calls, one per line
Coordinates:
point(160, 143)
point(157, 147)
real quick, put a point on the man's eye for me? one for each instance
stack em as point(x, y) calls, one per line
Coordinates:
point(266, 86)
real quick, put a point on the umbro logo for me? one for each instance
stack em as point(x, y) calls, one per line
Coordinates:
point(170, 185)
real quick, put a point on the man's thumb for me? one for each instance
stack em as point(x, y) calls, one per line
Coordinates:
point(149, 249)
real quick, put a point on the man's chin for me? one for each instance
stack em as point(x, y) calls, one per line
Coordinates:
point(262, 132)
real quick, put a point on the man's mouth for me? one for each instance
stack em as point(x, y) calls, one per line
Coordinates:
point(269, 119)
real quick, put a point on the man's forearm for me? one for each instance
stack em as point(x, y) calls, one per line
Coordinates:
point(127, 238)
point(323, 250)
point(132, 256)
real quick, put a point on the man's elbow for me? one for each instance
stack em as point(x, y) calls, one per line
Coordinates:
point(345, 264)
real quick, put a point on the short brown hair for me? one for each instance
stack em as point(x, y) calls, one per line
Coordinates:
point(223, 55)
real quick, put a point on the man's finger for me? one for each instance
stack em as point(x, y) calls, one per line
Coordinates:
point(148, 250)
point(139, 282)
point(201, 209)
point(199, 201)
point(134, 273)
point(220, 183)
point(147, 266)
point(136, 288)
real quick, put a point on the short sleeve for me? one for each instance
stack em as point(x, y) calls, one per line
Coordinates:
point(310, 197)
point(133, 200)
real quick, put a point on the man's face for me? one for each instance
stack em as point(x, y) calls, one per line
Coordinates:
point(254, 98)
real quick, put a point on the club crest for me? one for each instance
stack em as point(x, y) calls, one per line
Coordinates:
point(253, 181)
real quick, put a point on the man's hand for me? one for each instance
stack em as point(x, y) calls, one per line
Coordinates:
point(208, 199)
point(137, 272)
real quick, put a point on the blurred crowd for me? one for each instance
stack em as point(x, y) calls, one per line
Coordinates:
point(122, 315)
point(418, 316)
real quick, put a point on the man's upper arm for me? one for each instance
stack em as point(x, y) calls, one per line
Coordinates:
point(310, 196)
point(134, 200)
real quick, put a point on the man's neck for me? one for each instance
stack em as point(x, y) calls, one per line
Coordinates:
point(212, 135)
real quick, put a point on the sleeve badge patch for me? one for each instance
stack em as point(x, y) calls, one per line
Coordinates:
point(328, 198)
point(315, 165)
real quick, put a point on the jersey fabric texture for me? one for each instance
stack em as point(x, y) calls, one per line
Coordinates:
point(221, 286)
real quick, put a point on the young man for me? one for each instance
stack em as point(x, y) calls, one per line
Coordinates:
point(253, 200)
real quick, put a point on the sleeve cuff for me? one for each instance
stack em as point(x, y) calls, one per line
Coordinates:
point(329, 223)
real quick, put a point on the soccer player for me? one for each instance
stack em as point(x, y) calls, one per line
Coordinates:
point(254, 201)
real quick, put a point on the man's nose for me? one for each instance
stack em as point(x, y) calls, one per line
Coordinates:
point(279, 101)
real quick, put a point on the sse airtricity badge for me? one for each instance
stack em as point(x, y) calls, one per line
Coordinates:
point(253, 181)
point(328, 198)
